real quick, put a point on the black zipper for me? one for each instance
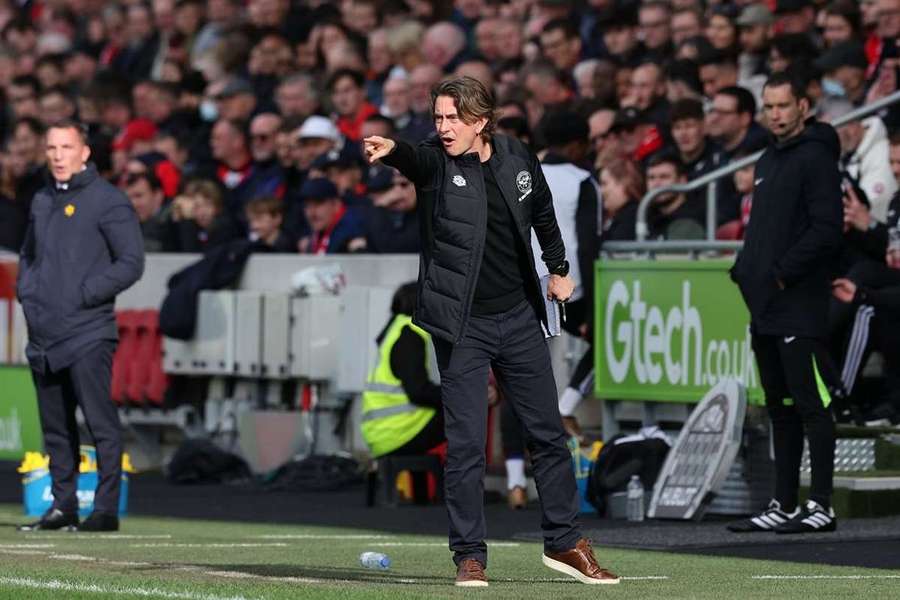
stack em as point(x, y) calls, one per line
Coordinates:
point(479, 254)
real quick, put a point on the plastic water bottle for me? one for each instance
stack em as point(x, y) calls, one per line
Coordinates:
point(635, 506)
point(375, 560)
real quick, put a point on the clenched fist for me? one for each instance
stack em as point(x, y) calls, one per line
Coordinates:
point(378, 147)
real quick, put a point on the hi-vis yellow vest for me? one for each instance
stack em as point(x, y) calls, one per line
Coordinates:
point(389, 419)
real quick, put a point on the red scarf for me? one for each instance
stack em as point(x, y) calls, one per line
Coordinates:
point(321, 240)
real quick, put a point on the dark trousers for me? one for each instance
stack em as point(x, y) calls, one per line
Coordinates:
point(577, 315)
point(797, 399)
point(513, 344)
point(86, 384)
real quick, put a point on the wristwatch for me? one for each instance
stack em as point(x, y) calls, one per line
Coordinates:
point(561, 269)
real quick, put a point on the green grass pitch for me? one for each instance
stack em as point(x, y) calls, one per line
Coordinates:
point(203, 560)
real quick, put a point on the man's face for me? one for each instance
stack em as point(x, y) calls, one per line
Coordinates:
point(783, 111)
point(888, 12)
point(286, 146)
point(688, 135)
point(486, 39)
point(346, 96)
point(55, 107)
point(645, 85)
point(457, 136)
point(654, 26)
point(66, 152)
point(560, 50)
point(599, 125)
point(224, 140)
point(145, 201)
point(715, 77)
point(23, 101)
point(754, 38)
point(294, 100)
point(309, 148)
point(396, 96)
point(320, 212)
point(852, 79)
point(263, 130)
point(28, 142)
point(723, 121)
point(685, 25)
point(421, 80)
point(895, 161)
point(798, 21)
point(662, 175)
point(836, 30)
point(619, 40)
point(400, 197)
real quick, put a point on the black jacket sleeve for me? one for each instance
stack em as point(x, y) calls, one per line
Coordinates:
point(586, 221)
point(418, 164)
point(120, 227)
point(886, 297)
point(543, 219)
point(822, 239)
point(873, 242)
point(408, 360)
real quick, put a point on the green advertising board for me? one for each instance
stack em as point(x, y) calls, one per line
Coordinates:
point(20, 427)
point(668, 330)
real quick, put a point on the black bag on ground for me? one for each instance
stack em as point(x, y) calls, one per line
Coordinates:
point(317, 473)
point(201, 461)
point(619, 459)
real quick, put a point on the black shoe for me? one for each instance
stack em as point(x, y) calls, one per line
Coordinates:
point(52, 520)
point(100, 522)
point(767, 520)
point(813, 518)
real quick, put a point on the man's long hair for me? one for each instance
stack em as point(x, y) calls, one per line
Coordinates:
point(472, 100)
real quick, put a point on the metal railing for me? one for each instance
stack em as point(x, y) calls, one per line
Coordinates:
point(710, 179)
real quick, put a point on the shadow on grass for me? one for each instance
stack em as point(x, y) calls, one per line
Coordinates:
point(330, 573)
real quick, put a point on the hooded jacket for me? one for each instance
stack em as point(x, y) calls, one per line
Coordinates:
point(795, 232)
point(453, 220)
point(83, 246)
point(870, 165)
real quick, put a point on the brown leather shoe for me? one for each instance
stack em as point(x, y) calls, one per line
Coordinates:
point(579, 562)
point(470, 573)
point(517, 498)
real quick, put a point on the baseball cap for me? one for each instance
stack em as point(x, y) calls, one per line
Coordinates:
point(318, 188)
point(381, 178)
point(755, 14)
point(627, 118)
point(138, 130)
point(348, 156)
point(235, 86)
point(845, 54)
point(316, 126)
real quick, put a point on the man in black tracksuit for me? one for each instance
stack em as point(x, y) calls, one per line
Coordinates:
point(795, 232)
point(479, 297)
point(83, 247)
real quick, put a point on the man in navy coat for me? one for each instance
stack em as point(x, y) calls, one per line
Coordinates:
point(82, 248)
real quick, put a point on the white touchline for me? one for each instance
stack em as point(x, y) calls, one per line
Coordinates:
point(91, 588)
point(442, 544)
point(825, 577)
point(76, 557)
point(312, 536)
point(213, 545)
point(101, 536)
point(27, 545)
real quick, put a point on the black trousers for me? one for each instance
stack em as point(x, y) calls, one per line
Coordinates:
point(797, 400)
point(513, 344)
point(86, 384)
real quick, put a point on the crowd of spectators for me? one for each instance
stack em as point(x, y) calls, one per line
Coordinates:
point(229, 118)
point(223, 119)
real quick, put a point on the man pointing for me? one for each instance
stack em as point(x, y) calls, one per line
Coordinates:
point(479, 197)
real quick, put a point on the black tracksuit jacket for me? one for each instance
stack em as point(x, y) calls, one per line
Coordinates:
point(794, 234)
point(83, 246)
point(452, 209)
